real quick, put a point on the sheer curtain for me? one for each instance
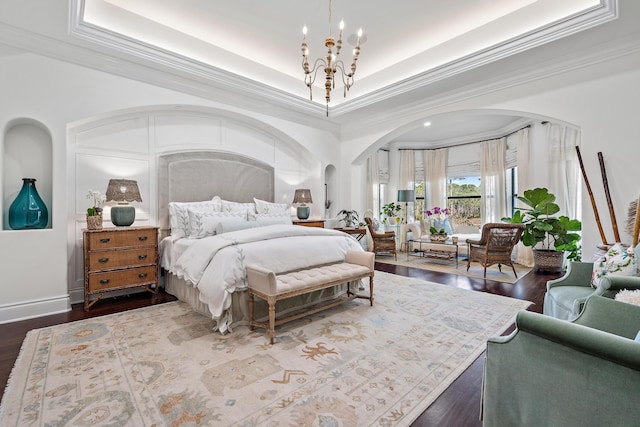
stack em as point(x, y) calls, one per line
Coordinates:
point(435, 177)
point(373, 183)
point(523, 254)
point(564, 179)
point(406, 182)
point(493, 187)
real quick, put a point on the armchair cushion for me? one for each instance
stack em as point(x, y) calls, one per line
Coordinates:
point(617, 261)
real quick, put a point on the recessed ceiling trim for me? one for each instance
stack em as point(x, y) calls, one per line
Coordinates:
point(605, 12)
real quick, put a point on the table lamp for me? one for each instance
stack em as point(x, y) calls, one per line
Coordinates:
point(123, 191)
point(301, 197)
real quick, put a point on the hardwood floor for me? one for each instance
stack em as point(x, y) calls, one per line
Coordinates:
point(459, 405)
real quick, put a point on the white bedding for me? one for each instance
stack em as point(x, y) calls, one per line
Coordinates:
point(216, 264)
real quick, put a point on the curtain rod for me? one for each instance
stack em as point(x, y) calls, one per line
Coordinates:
point(468, 143)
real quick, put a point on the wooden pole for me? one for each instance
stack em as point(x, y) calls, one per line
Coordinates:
point(636, 227)
point(614, 223)
point(593, 201)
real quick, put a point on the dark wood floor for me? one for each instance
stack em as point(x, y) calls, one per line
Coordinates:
point(459, 405)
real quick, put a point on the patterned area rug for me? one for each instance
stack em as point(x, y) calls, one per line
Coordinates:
point(449, 266)
point(351, 365)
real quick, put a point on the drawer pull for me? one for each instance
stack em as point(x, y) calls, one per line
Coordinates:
point(142, 275)
point(142, 238)
point(142, 256)
point(103, 260)
point(104, 281)
point(105, 240)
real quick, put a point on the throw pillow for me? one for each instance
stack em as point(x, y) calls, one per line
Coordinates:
point(618, 261)
point(263, 207)
point(272, 218)
point(203, 224)
point(179, 215)
point(235, 207)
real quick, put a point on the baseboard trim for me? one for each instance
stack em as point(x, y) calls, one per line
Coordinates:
point(35, 308)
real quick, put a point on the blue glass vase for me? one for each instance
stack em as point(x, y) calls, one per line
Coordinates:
point(28, 210)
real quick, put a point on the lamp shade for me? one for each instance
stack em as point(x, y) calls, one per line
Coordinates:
point(406, 195)
point(123, 191)
point(302, 196)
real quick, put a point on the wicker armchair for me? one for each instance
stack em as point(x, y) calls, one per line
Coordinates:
point(495, 245)
point(382, 242)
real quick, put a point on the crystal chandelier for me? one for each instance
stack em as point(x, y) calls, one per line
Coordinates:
point(331, 64)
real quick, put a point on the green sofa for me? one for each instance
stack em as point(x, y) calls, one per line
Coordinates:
point(566, 295)
point(551, 372)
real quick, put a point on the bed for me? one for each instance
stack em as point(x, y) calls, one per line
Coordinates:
point(208, 238)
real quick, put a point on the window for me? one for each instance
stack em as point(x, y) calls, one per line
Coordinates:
point(463, 200)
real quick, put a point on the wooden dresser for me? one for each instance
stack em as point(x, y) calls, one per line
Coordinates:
point(119, 258)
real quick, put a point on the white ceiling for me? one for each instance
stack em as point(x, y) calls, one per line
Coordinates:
point(249, 50)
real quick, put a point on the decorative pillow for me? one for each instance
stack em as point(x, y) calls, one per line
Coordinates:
point(203, 224)
point(618, 261)
point(235, 207)
point(179, 215)
point(229, 226)
point(263, 207)
point(425, 224)
point(272, 218)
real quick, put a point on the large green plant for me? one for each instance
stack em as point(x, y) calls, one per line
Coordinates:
point(541, 226)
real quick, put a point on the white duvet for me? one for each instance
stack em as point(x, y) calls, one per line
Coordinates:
point(216, 264)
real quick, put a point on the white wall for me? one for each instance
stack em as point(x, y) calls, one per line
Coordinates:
point(109, 122)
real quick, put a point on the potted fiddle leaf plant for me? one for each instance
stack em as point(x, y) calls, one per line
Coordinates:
point(548, 235)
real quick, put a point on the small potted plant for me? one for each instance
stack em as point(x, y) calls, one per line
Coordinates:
point(94, 213)
point(350, 218)
point(548, 235)
point(390, 210)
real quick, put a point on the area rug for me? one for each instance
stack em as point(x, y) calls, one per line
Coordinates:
point(449, 266)
point(348, 366)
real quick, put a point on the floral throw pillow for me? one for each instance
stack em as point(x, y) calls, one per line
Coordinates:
point(618, 261)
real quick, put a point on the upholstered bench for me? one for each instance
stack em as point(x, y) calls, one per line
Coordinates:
point(272, 287)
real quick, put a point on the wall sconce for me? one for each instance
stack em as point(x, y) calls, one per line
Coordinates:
point(123, 191)
point(301, 197)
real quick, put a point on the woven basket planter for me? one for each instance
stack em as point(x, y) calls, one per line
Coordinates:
point(94, 222)
point(437, 237)
point(547, 261)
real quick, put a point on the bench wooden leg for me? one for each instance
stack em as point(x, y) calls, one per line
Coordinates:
point(272, 319)
point(251, 303)
point(371, 290)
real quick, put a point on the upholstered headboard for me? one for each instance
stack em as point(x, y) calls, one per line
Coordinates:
point(195, 176)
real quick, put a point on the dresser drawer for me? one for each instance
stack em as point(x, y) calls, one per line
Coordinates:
point(118, 239)
point(123, 278)
point(104, 260)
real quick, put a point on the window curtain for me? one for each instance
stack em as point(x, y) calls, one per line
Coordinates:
point(493, 184)
point(522, 254)
point(435, 177)
point(564, 179)
point(373, 183)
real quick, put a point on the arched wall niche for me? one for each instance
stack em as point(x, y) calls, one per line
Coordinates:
point(27, 152)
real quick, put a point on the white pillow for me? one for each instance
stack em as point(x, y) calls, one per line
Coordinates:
point(618, 261)
point(179, 216)
point(263, 207)
point(229, 226)
point(203, 224)
point(272, 218)
point(235, 207)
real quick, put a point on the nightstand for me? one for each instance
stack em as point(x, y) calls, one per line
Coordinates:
point(309, 222)
point(119, 258)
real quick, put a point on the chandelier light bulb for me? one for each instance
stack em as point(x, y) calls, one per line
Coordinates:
point(304, 30)
point(341, 25)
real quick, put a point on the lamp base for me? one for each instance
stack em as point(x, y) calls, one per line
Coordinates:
point(303, 212)
point(123, 216)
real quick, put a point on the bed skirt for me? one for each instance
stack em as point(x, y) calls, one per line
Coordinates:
point(186, 292)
